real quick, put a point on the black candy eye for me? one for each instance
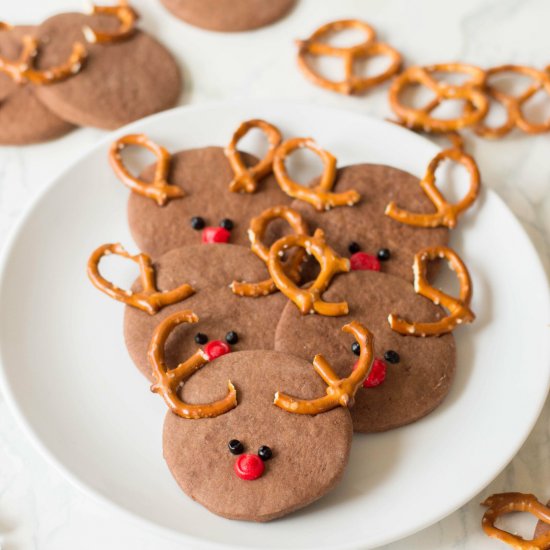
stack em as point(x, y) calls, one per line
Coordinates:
point(356, 348)
point(232, 337)
point(264, 452)
point(235, 447)
point(197, 223)
point(201, 338)
point(353, 247)
point(392, 356)
point(226, 223)
point(383, 254)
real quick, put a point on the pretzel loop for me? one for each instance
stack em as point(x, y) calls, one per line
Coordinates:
point(159, 190)
point(459, 308)
point(308, 300)
point(149, 299)
point(168, 382)
point(340, 391)
point(126, 16)
point(446, 214)
point(247, 178)
point(320, 197)
point(506, 503)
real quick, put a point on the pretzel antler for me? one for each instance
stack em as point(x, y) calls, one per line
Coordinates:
point(459, 308)
point(446, 214)
point(256, 233)
point(149, 299)
point(320, 196)
point(168, 382)
point(505, 503)
point(127, 17)
point(340, 391)
point(246, 179)
point(159, 190)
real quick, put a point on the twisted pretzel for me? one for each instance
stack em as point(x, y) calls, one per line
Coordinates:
point(149, 299)
point(446, 213)
point(256, 234)
point(506, 503)
point(169, 381)
point(320, 196)
point(340, 391)
point(308, 300)
point(246, 179)
point(351, 84)
point(159, 190)
point(459, 308)
point(420, 118)
point(127, 17)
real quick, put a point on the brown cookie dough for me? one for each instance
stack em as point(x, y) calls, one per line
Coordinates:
point(415, 385)
point(204, 174)
point(229, 15)
point(367, 225)
point(121, 82)
point(309, 452)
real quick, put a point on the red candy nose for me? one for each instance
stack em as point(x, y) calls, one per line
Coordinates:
point(249, 467)
point(215, 235)
point(216, 348)
point(377, 374)
point(364, 262)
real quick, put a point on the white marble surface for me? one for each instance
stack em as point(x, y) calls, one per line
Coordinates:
point(38, 508)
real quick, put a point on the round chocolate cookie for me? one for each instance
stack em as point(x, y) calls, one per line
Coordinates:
point(419, 371)
point(209, 269)
point(204, 175)
point(23, 118)
point(308, 453)
point(120, 82)
point(364, 227)
point(229, 15)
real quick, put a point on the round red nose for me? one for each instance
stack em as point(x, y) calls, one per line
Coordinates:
point(377, 374)
point(249, 467)
point(215, 235)
point(216, 348)
point(364, 262)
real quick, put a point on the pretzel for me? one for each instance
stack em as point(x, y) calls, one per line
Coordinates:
point(127, 17)
point(446, 213)
point(506, 503)
point(459, 308)
point(149, 299)
point(351, 84)
point(340, 391)
point(470, 91)
point(247, 178)
point(169, 381)
point(320, 196)
point(159, 190)
point(256, 234)
point(308, 300)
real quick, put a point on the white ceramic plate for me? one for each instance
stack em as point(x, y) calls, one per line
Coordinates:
point(71, 384)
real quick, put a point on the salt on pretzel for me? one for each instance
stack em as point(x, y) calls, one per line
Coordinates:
point(247, 178)
point(340, 392)
point(470, 91)
point(159, 190)
point(459, 308)
point(168, 382)
point(126, 16)
point(369, 47)
point(149, 299)
point(320, 197)
point(309, 300)
point(446, 214)
point(506, 503)
point(256, 232)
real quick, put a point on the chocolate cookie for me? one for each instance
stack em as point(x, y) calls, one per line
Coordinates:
point(419, 371)
point(366, 225)
point(121, 82)
point(305, 455)
point(229, 15)
point(204, 175)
